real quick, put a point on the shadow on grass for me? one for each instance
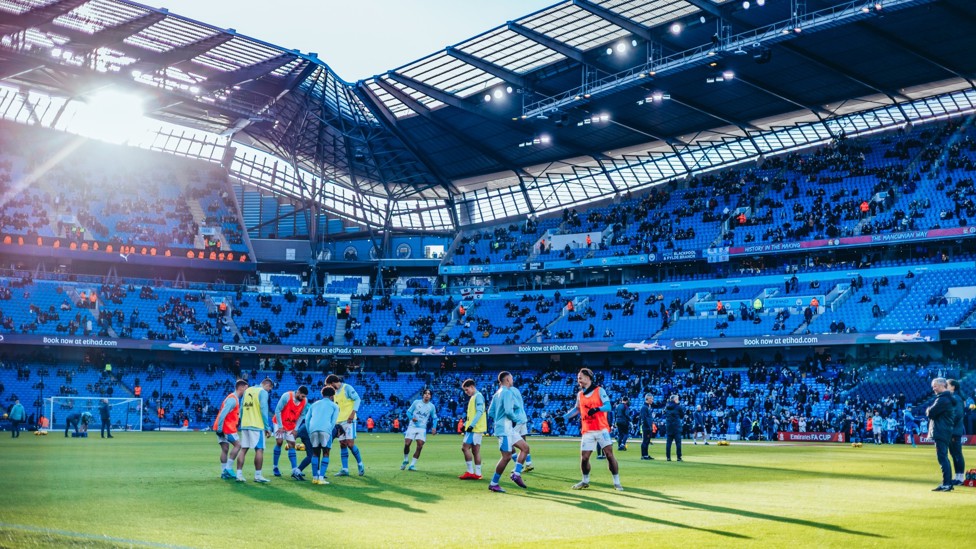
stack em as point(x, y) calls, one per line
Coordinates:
point(670, 500)
point(816, 474)
point(362, 496)
point(423, 497)
point(580, 501)
point(290, 498)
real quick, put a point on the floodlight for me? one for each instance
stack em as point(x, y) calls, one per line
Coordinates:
point(621, 47)
point(760, 3)
point(509, 89)
point(487, 98)
point(728, 75)
point(745, 4)
point(676, 28)
point(545, 139)
point(110, 115)
point(609, 51)
point(498, 93)
point(633, 42)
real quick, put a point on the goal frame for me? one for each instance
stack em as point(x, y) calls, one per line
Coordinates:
point(135, 410)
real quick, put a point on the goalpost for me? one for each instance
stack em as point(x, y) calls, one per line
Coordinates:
point(125, 413)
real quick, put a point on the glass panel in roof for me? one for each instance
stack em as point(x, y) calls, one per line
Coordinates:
point(425, 100)
point(450, 74)
point(511, 50)
point(168, 34)
point(391, 103)
point(22, 6)
point(650, 13)
point(575, 27)
point(94, 16)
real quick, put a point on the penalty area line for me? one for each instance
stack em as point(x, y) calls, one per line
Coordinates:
point(82, 535)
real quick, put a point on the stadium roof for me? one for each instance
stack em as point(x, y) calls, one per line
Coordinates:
point(550, 98)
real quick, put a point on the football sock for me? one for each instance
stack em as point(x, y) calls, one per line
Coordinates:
point(616, 479)
point(518, 469)
point(586, 478)
point(356, 454)
point(277, 454)
point(240, 472)
point(257, 474)
point(325, 467)
point(344, 455)
point(495, 478)
point(413, 462)
point(528, 458)
point(293, 457)
point(477, 470)
point(223, 466)
point(470, 466)
point(406, 457)
point(315, 467)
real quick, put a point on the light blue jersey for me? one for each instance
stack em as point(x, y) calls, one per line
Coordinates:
point(322, 416)
point(521, 417)
point(502, 411)
point(420, 413)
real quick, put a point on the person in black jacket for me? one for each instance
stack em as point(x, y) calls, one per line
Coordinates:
point(646, 425)
point(941, 416)
point(674, 414)
point(955, 446)
point(105, 413)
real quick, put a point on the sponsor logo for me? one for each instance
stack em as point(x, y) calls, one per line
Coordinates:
point(691, 344)
point(475, 350)
point(241, 348)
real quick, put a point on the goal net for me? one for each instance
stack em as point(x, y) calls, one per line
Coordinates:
point(125, 414)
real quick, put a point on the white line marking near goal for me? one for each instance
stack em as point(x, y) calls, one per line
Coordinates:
point(82, 535)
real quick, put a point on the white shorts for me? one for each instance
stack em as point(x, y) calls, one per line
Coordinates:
point(507, 442)
point(522, 429)
point(231, 438)
point(252, 439)
point(285, 435)
point(415, 433)
point(592, 439)
point(347, 430)
point(474, 439)
point(320, 439)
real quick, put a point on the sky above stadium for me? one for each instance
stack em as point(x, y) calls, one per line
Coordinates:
point(357, 38)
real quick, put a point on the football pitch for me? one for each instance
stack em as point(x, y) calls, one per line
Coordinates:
point(163, 490)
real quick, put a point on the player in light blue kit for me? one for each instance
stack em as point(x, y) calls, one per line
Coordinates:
point(521, 426)
point(321, 421)
point(420, 413)
point(505, 411)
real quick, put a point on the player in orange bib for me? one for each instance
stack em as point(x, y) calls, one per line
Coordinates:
point(226, 428)
point(289, 410)
point(592, 405)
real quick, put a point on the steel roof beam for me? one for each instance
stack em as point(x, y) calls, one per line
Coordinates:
point(625, 23)
point(113, 35)
point(765, 88)
point(38, 16)
point(374, 104)
point(717, 116)
point(152, 61)
point(707, 7)
point(912, 50)
point(551, 43)
point(835, 68)
point(251, 72)
point(489, 67)
point(424, 112)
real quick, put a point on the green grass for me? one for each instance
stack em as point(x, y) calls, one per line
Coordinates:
point(162, 489)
